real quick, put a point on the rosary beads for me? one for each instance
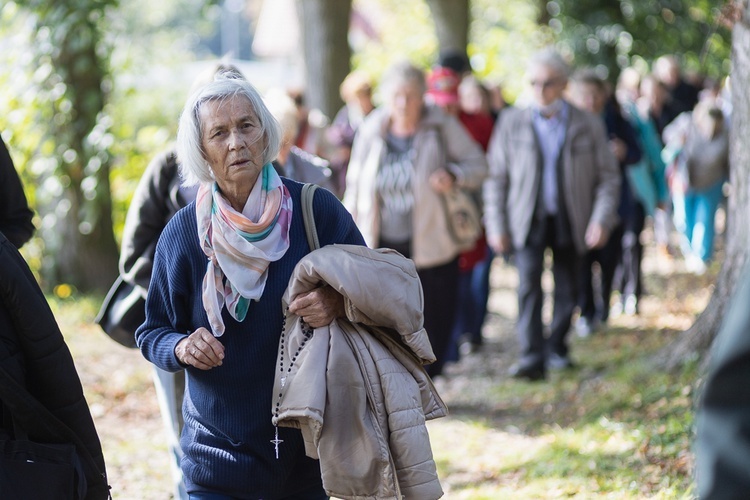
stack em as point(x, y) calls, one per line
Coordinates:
point(307, 332)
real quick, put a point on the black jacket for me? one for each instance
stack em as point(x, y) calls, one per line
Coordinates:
point(15, 214)
point(34, 353)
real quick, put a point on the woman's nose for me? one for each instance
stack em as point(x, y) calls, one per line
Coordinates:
point(236, 139)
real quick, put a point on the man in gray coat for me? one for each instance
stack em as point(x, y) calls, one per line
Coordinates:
point(553, 183)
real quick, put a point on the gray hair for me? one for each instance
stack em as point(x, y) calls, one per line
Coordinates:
point(194, 168)
point(550, 58)
point(400, 73)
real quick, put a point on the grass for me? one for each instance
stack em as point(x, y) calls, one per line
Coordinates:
point(623, 431)
point(615, 427)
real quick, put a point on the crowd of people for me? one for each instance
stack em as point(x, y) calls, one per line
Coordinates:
point(574, 169)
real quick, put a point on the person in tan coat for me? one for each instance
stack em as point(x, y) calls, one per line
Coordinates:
point(553, 183)
point(406, 157)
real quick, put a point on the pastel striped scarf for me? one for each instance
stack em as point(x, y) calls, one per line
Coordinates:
point(238, 248)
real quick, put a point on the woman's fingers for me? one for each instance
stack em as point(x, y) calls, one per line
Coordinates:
point(201, 350)
point(318, 307)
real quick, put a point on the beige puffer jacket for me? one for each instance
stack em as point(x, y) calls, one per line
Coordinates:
point(357, 389)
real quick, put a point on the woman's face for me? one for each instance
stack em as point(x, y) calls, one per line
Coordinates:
point(406, 103)
point(232, 142)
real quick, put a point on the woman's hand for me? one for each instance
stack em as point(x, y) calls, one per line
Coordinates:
point(318, 307)
point(442, 181)
point(200, 349)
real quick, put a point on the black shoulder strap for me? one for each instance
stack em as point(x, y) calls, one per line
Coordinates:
point(308, 194)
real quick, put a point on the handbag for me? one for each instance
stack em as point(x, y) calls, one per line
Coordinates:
point(461, 212)
point(122, 312)
point(464, 219)
point(40, 471)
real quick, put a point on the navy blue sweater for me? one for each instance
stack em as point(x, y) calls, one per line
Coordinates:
point(227, 410)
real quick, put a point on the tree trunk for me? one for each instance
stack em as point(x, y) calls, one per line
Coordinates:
point(324, 30)
point(451, 23)
point(79, 237)
point(698, 338)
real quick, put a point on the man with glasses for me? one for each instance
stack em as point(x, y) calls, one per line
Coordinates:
point(553, 183)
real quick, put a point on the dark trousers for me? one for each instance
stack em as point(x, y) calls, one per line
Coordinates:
point(440, 289)
point(530, 265)
point(594, 301)
point(316, 493)
point(628, 277)
point(471, 305)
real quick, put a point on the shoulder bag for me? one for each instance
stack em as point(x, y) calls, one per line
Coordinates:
point(122, 312)
point(461, 211)
point(308, 193)
point(62, 470)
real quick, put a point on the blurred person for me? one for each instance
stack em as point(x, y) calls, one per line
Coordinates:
point(455, 60)
point(214, 303)
point(697, 150)
point(293, 162)
point(654, 108)
point(443, 90)
point(623, 250)
point(682, 93)
point(553, 183)
point(15, 215)
point(655, 103)
point(722, 438)
point(311, 125)
point(159, 195)
point(405, 156)
point(649, 184)
point(356, 92)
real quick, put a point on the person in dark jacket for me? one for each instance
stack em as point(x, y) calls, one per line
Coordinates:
point(15, 214)
point(722, 445)
point(34, 354)
point(623, 249)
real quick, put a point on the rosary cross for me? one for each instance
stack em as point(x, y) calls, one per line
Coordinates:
point(276, 441)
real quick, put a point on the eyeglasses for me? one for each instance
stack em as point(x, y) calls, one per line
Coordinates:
point(545, 84)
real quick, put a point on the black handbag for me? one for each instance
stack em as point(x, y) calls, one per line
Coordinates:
point(40, 471)
point(122, 312)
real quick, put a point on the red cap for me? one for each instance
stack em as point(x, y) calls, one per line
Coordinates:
point(442, 86)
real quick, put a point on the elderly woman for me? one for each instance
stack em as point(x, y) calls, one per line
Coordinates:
point(405, 156)
point(214, 304)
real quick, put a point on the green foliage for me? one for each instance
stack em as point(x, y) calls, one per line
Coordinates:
point(610, 35)
point(502, 36)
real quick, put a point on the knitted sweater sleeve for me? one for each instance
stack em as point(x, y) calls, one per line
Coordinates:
point(170, 301)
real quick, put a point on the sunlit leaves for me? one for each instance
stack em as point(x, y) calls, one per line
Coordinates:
point(610, 34)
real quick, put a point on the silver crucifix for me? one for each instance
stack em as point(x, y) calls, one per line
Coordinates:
point(276, 441)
